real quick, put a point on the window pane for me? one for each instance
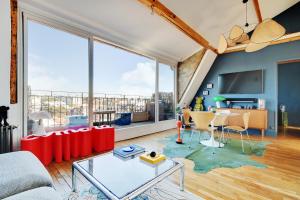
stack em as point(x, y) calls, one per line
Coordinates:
point(166, 92)
point(57, 76)
point(124, 83)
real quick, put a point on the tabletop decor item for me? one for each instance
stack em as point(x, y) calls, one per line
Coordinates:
point(156, 159)
point(218, 100)
point(128, 151)
point(199, 104)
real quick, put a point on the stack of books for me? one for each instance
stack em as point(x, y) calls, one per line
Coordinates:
point(129, 151)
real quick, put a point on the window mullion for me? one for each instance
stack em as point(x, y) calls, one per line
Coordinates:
point(91, 80)
point(156, 91)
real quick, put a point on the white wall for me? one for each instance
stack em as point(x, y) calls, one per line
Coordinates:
point(14, 117)
point(4, 51)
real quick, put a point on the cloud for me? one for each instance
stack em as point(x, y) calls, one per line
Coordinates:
point(40, 78)
point(139, 81)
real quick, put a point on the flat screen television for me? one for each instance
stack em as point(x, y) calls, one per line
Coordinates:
point(247, 82)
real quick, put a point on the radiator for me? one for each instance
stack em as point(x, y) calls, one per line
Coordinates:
point(6, 138)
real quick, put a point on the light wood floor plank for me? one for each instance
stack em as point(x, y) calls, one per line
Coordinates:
point(280, 180)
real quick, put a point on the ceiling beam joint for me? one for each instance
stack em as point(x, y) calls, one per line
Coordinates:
point(171, 17)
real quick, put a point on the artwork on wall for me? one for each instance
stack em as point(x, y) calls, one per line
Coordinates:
point(13, 60)
point(209, 85)
point(205, 93)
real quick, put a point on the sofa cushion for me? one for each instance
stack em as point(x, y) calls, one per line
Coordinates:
point(42, 193)
point(21, 171)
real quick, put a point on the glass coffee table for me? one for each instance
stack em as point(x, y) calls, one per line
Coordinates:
point(121, 179)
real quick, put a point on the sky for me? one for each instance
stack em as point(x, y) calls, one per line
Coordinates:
point(58, 61)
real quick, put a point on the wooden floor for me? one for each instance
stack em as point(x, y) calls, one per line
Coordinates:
point(280, 180)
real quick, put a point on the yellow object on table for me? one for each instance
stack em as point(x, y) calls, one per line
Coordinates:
point(152, 160)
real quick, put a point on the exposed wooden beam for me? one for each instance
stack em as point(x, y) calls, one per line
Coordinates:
point(13, 59)
point(166, 13)
point(257, 10)
point(287, 38)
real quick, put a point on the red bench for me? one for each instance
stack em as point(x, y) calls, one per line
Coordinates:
point(103, 138)
point(62, 145)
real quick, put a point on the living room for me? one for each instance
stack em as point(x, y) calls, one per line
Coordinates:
point(149, 99)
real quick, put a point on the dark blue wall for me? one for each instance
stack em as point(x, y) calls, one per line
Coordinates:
point(266, 59)
point(289, 91)
point(290, 18)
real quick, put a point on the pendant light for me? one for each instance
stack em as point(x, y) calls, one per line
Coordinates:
point(264, 33)
point(268, 30)
point(222, 44)
point(251, 47)
point(237, 35)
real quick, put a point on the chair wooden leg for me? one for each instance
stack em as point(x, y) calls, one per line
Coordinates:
point(242, 141)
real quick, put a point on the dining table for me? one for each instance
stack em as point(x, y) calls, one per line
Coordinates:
point(211, 142)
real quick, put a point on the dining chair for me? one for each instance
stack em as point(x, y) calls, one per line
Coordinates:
point(186, 114)
point(220, 120)
point(201, 121)
point(241, 130)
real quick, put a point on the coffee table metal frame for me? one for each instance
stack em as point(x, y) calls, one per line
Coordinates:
point(135, 193)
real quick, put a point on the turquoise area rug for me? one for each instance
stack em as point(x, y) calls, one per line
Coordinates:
point(208, 158)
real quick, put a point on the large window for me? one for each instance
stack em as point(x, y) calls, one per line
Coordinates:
point(57, 75)
point(166, 92)
point(124, 82)
point(59, 82)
